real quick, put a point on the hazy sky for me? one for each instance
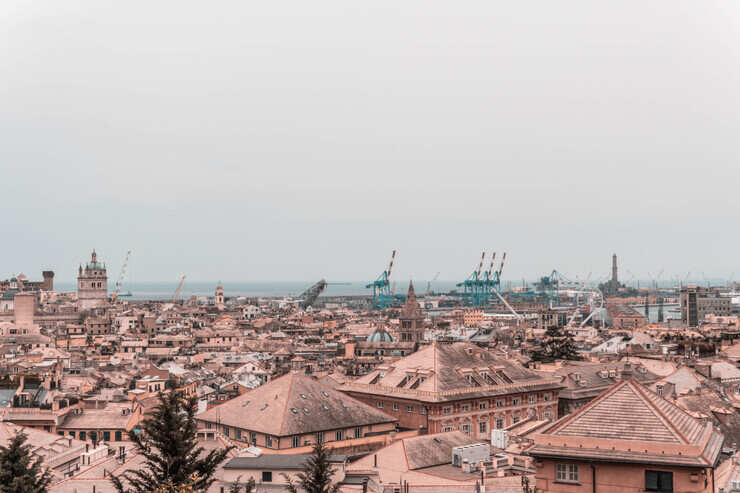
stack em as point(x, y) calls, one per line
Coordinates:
point(294, 140)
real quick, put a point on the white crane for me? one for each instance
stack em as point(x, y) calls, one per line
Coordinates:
point(119, 282)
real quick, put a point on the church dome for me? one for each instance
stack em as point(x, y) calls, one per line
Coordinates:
point(380, 335)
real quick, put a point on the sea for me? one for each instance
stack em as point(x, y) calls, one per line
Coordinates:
point(155, 290)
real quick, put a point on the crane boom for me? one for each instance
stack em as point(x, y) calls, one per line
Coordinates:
point(480, 265)
point(489, 273)
point(390, 265)
point(501, 267)
point(119, 282)
point(179, 288)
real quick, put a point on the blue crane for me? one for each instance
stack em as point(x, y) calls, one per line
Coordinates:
point(474, 286)
point(382, 297)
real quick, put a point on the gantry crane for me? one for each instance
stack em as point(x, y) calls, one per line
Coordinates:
point(473, 285)
point(382, 297)
point(115, 294)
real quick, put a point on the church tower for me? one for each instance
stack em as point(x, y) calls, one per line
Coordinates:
point(219, 298)
point(411, 319)
point(92, 284)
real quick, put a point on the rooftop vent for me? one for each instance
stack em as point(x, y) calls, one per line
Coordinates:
point(305, 410)
point(264, 407)
point(294, 410)
point(245, 404)
point(325, 393)
point(303, 396)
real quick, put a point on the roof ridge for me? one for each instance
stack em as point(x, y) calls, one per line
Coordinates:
point(609, 391)
point(654, 406)
point(287, 398)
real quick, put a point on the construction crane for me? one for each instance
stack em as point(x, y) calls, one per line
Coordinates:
point(429, 283)
point(382, 297)
point(115, 294)
point(179, 288)
point(311, 294)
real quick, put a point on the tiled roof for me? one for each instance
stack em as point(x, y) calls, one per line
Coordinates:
point(294, 404)
point(628, 422)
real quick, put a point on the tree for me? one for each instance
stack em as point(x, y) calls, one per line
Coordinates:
point(557, 344)
point(169, 445)
point(19, 473)
point(239, 487)
point(316, 475)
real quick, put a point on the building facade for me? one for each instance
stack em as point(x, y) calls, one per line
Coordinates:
point(697, 303)
point(448, 387)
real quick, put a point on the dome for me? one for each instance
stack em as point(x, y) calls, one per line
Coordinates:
point(380, 335)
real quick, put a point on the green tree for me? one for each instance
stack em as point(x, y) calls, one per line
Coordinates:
point(19, 473)
point(557, 344)
point(168, 443)
point(316, 474)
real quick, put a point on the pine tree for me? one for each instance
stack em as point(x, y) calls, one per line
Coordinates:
point(19, 473)
point(557, 344)
point(316, 475)
point(168, 443)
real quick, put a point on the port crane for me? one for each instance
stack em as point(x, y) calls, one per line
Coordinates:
point(472, 286)
point(179, 288)
point(493, 277)
point(310, 295)
point(382, 297)
point(119, 282)
point(429, 283)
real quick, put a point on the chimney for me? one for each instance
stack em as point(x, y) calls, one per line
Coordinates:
point(627, 371)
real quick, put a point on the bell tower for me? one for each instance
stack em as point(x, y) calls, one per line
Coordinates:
point(411, 319)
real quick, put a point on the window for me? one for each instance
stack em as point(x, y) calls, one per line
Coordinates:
point(547, 396)
point(267, 476)
point(410, 409)
point(567, 473)
point(482, 405)
point(466, 428)
point(119, 436)
point(499, 423)
point(72, 434)
point(106, 436)
point(238, 434)
point(268, 441)
point(380, 404)
point(447, 428)
point(499, 403)
point(226, 431)
point(253, 438)
point(422, 410)
point(532, 399)
point(320, 437)
point(339, 436)
point(296, 442)
point(482, 427)
point(395, 406)
point(446, 410)
point(515, 402)
point(358, 432)
point(659, 481)
point(465, 408)
point(82, 435)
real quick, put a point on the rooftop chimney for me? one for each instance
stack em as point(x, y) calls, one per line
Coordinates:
point(627, 371)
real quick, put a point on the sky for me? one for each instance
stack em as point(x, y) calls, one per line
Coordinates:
point(296, 140)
